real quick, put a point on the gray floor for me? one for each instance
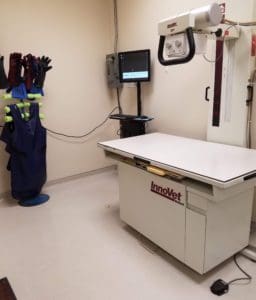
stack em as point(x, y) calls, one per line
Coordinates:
point(76, 248)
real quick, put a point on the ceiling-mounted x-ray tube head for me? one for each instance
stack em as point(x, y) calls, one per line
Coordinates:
point(207, 16)
point(181, 51)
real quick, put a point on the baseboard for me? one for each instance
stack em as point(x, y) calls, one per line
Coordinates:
point(80, 175)
point(69, 178)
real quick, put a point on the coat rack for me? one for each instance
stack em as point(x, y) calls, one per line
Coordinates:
point(25, 85)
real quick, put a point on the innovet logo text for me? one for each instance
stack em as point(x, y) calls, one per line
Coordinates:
point(166, 192)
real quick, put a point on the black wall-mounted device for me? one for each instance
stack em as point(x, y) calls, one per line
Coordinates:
point(134, 66)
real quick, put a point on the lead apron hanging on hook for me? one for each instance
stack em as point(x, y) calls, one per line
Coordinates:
point(26, 143)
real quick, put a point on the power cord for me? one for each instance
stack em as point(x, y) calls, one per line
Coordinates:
point(220, 287)
point(248, 276)
point(116, 39)
point(86, 134)
point(116, 26)
point(230, 22)
point(118, 101)
point(83, 135)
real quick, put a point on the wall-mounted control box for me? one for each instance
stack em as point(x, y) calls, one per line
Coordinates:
point(113, 70)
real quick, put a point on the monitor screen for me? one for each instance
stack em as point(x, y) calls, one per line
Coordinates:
point(134, 66)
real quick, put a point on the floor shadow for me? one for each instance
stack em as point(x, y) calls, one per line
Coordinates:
point(182, 268)
point(114, 213)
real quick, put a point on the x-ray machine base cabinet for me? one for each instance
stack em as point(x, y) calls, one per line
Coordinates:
point(199, 220)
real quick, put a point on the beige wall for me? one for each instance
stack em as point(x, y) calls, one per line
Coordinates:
point(76, 35)
point(175, 97)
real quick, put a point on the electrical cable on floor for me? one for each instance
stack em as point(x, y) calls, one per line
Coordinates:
point(220, 287)
point(248, 276)
point(86, 134)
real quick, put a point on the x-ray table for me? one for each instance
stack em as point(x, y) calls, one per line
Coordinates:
point(192, 198)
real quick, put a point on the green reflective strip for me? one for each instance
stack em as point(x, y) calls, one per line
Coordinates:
point(41, 116)
point(9, 119)
point(34, 96)
point(21, 105)
point(7, 109)
point(7, 96)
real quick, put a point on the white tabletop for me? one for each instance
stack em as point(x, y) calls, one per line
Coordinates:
point(215, 163)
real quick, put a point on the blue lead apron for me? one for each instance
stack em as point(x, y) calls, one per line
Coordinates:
point(26, 144)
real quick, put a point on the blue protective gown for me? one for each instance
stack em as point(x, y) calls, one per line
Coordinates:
point(26, 144)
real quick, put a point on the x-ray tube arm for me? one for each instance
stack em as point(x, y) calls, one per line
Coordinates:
point(182, 60)
point(198, 20)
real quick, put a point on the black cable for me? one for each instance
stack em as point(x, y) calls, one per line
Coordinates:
point(116, 26)
point(116, 49)
point(86, 134)
point(118, 101)
point(220, 287)
point(248, 276)
point(80, 136)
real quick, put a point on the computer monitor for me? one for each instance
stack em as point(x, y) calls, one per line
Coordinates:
point(134, 66)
